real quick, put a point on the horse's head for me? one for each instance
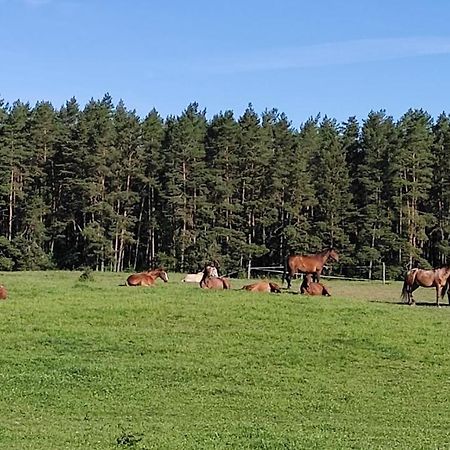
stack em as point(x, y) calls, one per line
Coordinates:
point(210, 271)
point(332, 253)
point(163, 275)
point(446, 270)
point(275, 288)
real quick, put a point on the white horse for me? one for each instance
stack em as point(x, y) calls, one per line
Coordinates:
point(197, 277)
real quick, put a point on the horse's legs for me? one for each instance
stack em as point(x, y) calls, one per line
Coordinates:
point(409, 294)
point(316, 276)
point(409, 297)
point(438, 294)
point(410, 291)
point(288, 279)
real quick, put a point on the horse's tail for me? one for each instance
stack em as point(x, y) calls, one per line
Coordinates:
point(409, 281)
point(404, 294)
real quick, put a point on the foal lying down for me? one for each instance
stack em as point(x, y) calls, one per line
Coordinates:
point(308, 287)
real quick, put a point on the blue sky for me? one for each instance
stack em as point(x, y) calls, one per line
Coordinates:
point(339, 58)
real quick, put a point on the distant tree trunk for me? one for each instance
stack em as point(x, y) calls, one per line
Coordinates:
point(11, 206)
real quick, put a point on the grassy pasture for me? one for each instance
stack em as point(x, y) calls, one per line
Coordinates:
point(94, 365)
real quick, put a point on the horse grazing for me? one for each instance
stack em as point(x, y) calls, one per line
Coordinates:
point(263, 286)
point(197, 277)
point(3, 292)
point(308, 264)
point(147, 278)
point(415, 278)
point(310, 288)
point(210, 281)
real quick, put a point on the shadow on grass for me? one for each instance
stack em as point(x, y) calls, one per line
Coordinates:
point(419, 304)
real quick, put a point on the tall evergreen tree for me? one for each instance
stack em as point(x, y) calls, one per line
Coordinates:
point(128, 168)
point(224, 238)
point(439, 235)
point(15, 164)
point(67, 187)
point(411, 182)
point(149, 236)
point(333, 213)
point(289, 189)
point(253, 167)
point(374, 226)
point(185, 186)
point(100, 157)
point(40, 201)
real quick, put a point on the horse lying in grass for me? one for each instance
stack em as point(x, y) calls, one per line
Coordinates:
point(147, 278)
point(263, 286)
point(415, 278)
point(3, 292)
point(197, 277)
point(308, 287)
point(209, 281)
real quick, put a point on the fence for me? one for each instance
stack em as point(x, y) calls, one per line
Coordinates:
point(280, 270)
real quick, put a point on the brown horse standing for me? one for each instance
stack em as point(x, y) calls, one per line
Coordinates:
point(310, 288)
point(209, 281)
point(263, 286)
point(308, 264)
point(437, 278)
point(147, 278)
point(3, 292)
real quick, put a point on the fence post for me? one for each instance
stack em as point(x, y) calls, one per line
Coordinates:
point(384, 273)
point(249, 269)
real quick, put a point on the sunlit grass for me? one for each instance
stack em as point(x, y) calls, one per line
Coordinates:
point(95, 365)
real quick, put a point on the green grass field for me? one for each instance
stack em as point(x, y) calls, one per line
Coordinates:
point(94, 365)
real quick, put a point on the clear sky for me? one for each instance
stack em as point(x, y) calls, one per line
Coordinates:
point(339, 58)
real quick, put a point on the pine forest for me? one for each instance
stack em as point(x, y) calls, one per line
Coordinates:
point(101, 187)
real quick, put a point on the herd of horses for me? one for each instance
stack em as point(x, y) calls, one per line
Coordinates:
point(311, 266)
point(208, 278)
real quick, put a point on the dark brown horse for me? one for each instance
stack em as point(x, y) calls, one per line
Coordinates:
point(415, 278)
point(310, 288)
point(263, 286)
point(312, 264)
point(147, 278)
point(209, 281)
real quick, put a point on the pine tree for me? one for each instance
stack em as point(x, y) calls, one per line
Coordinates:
point(439, 235)
point(15, 156)
point(289, 190)
point(374, 226)
point(411, 182)
point(184, 185)
point(100, 157)
point(67, 187)
point(150, 213)
point(223, 239)
point(41, 204)
point(332, 215)
point(128, 168)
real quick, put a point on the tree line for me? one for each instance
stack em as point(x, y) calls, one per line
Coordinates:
point(101, 187)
